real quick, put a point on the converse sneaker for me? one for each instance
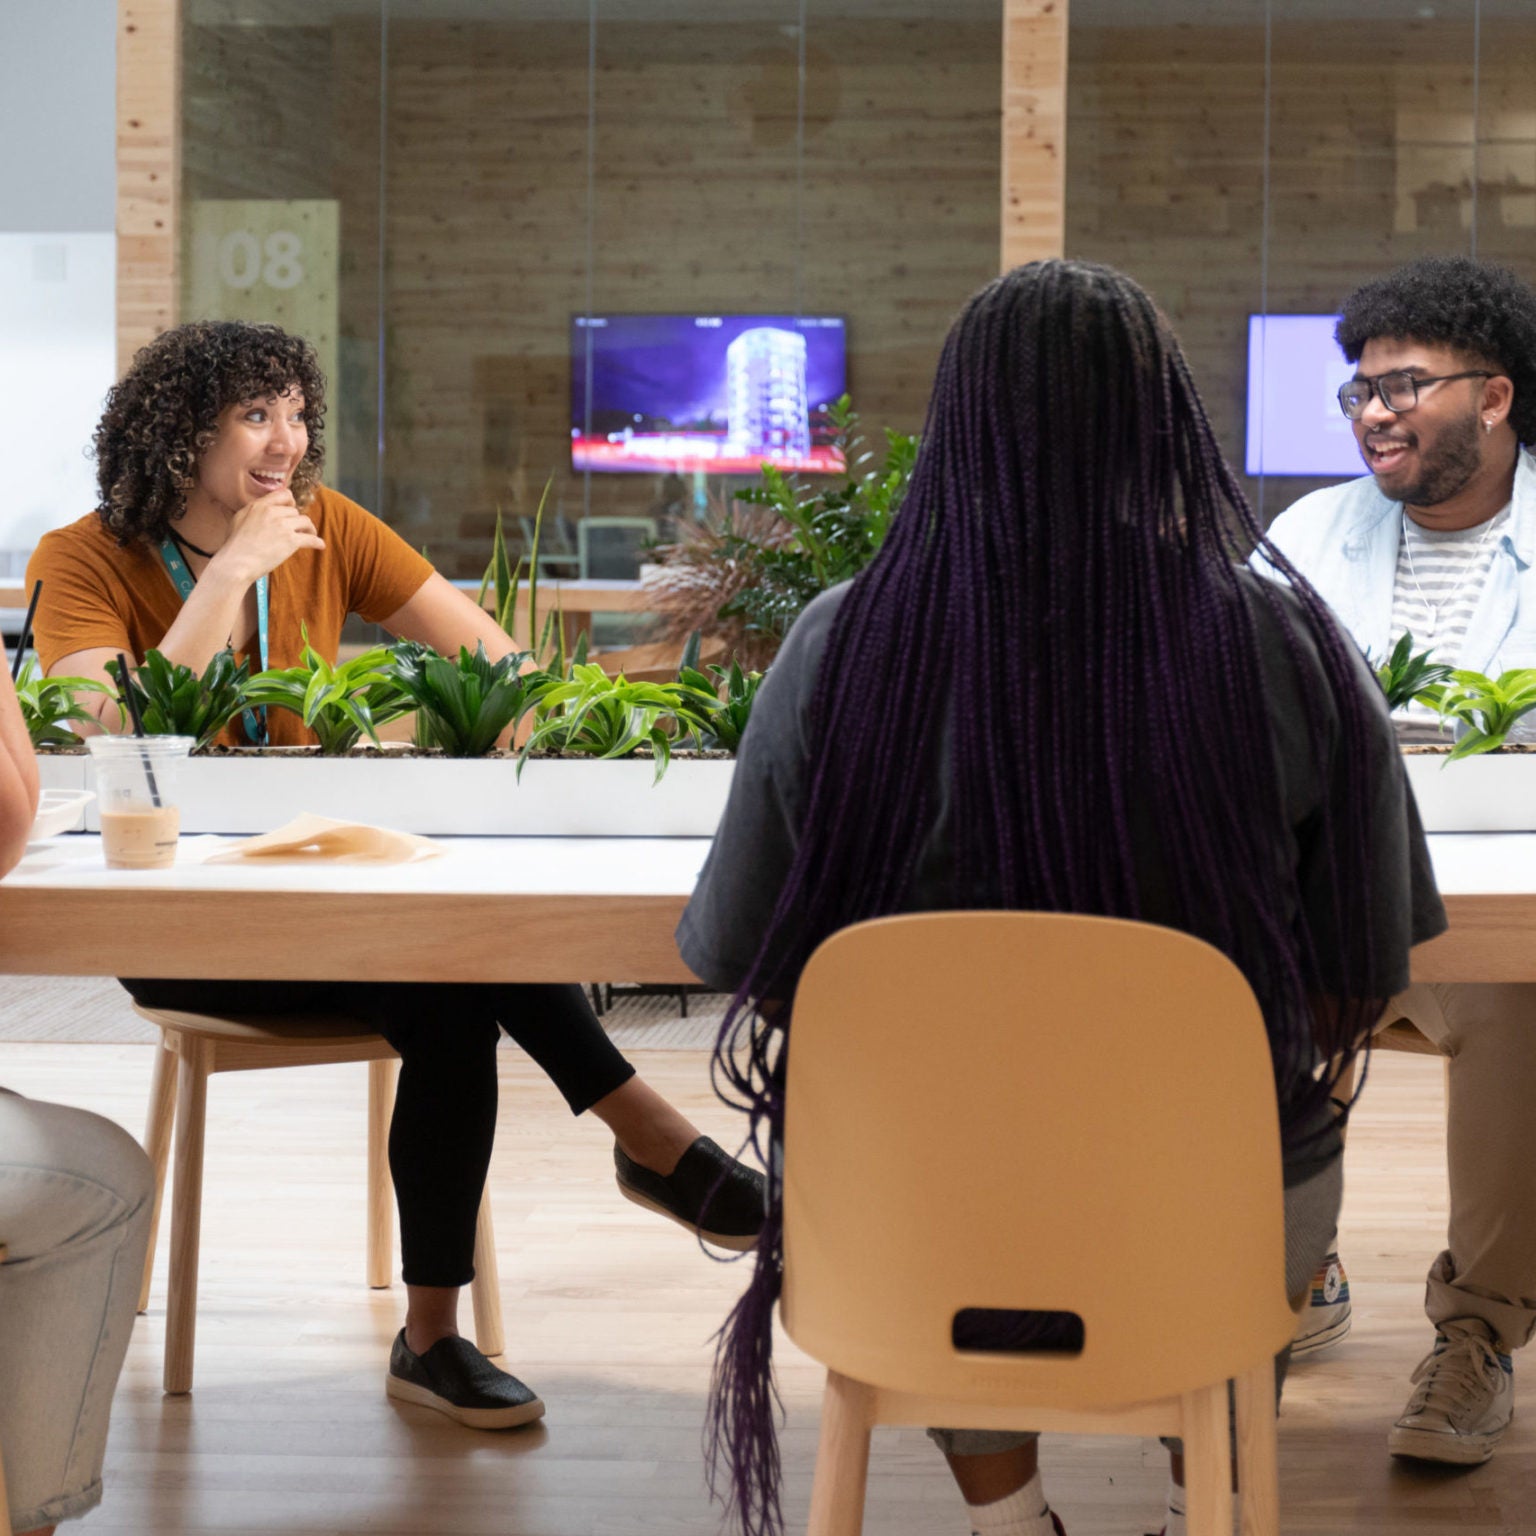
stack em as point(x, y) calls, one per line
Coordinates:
point(1325, 1318)
point(1056, 1524)
point(1463, 1396)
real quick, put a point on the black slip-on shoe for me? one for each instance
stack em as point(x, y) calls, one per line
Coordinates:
point(709, 1192)
point(455, 1378)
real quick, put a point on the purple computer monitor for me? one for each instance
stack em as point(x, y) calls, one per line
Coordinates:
point(1295, 426)
point(725, 394)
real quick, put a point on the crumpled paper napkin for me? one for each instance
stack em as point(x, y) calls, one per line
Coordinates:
point(309, 839)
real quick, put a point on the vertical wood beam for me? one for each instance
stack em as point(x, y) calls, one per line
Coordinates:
point(148, 171)
point(1034, 130)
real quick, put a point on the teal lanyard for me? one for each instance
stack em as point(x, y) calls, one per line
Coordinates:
point(255, 719)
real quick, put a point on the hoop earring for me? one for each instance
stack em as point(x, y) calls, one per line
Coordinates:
point(1487, 423)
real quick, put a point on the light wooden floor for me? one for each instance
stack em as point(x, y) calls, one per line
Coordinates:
point(609, 1315)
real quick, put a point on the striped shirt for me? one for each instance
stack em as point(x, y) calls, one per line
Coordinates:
point(1440, 580)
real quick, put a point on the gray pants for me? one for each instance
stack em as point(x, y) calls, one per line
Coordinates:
point(1311, 1214)
point(75, 1199)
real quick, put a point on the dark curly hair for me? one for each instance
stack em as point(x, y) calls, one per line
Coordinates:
point(164, 412)
point(1454, 301)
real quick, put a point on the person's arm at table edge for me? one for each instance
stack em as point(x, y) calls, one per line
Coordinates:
point(18, 774)
point(440, 615)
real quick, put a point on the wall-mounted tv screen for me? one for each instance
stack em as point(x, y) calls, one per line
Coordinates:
point(724, 394)
point(1295, 426)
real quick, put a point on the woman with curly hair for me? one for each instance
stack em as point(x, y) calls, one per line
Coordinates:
point(214, 530)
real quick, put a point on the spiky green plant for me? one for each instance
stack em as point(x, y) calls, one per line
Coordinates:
point(173, 700)
point(503, 581)
point(1405, 677)
point(48, 704)
point(463, 704)
point(717, 722)
point(340, 703)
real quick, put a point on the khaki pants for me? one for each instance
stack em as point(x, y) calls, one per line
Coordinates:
point(75, 1197)
point(1488, 1033)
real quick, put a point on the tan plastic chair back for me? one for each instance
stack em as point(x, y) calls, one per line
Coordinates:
point(1030, 1110)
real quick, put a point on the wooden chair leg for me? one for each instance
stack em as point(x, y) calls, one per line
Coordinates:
point(842, 1458)
point(1207, 1462)
point(5, 1506)
point(157, 1143)
point(1258, 1472)
point(382, 1077)
point(186, 1212)
point(485, 1291)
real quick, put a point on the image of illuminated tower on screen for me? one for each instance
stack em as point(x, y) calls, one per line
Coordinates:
point(766, 393)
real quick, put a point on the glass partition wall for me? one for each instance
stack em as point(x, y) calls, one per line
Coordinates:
point(434, 191)
point(1260, 158)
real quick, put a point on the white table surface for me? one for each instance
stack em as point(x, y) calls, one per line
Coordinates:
point(484, 909)
point(481, 866)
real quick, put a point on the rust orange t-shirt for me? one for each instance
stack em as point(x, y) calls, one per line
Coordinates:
point(98, 593)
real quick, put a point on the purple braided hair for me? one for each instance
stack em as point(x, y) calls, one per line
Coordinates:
point(1060, 597)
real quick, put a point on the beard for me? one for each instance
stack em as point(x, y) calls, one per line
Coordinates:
point(1445, 469)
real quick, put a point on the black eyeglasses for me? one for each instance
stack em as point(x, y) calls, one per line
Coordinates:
point(1399, 391)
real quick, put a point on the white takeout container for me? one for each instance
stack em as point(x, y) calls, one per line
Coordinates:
point(60, 810)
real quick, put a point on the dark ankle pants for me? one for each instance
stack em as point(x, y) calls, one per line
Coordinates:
point(445, 1110)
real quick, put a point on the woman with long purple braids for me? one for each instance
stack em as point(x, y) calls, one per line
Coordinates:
point(1060, 688)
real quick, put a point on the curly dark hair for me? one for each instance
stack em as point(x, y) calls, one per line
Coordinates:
point(1454, 301)
point(164, 412)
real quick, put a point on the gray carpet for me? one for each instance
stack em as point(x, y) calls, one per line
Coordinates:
point(96, 1010)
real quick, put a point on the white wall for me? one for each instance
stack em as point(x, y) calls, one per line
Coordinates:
point(57, 190)
point(57, 106)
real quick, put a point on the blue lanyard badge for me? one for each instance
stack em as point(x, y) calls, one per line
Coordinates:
point(255, 720)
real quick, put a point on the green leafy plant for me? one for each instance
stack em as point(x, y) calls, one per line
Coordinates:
point(746, 573)
point(340, 703)
point(600, 716)
point(1487, 707)
point(174, 701)
point(463, 704)
point(503, 581)
point(48, 704)
point(716, 722)
point(835, 530)
point(1405, 677)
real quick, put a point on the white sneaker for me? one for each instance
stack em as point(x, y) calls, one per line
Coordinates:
point(1463, 1396)
point(1326, 1317)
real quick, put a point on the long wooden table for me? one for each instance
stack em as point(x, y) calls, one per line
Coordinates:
point(485, 909)
point(525, 909)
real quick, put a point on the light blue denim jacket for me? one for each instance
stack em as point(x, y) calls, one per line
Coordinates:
point(1344, 541)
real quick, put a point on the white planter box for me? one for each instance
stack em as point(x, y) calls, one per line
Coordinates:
point(62, 771)
point(1495, 792)
point(445, 796)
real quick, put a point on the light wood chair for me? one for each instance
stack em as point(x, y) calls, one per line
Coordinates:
point(1034, 1111)
point(193, 1046)
point(5, 1505)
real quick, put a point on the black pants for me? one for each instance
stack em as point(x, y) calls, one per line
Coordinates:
point(445, 1111)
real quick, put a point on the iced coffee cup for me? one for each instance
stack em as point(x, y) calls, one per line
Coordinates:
point(138, 779)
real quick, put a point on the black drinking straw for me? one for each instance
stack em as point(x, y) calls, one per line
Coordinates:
point(26, 630)
point(125, 688)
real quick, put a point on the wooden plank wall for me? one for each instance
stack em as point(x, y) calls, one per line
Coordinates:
point(1034, 130)
point(148, 134)
point(1371, 164)
point(695, 209)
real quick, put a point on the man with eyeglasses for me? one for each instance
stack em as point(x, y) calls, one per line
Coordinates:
point(1440, 541)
